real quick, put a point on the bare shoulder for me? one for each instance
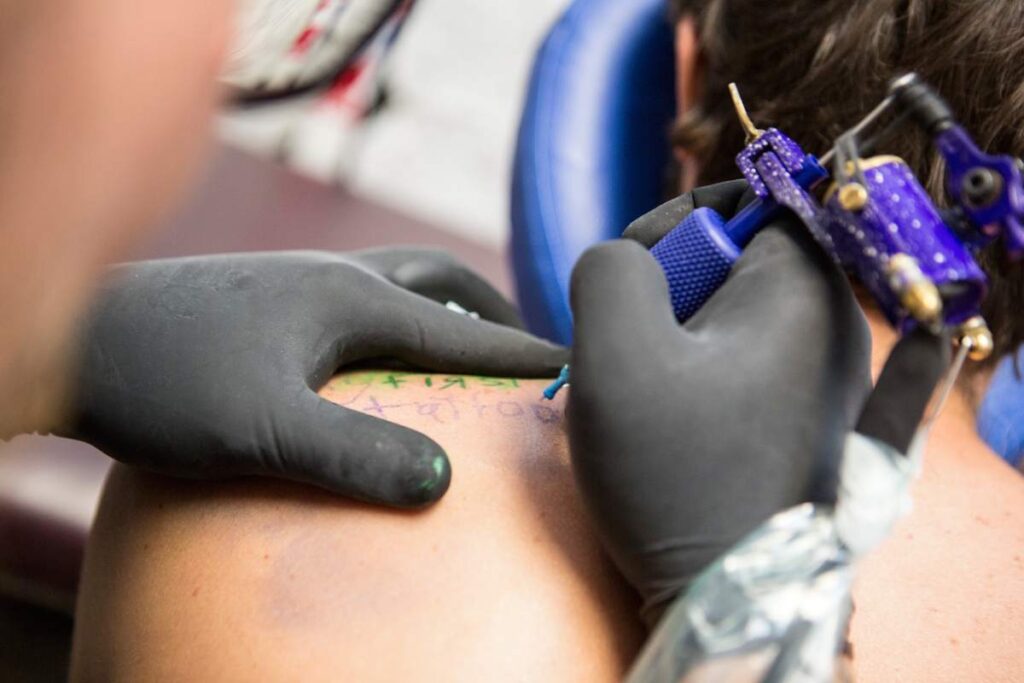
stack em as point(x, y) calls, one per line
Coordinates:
point(501, 580)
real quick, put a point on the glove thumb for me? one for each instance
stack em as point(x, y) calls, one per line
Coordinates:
point(356, 455)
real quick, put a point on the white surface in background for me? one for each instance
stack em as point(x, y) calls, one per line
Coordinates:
point(442, 150)
point(266, 31)
point(52, 478)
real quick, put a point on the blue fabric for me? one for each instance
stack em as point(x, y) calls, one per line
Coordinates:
point(1001, 414)
point(592, 152)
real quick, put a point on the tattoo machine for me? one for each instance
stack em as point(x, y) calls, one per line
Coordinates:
point(871, 215)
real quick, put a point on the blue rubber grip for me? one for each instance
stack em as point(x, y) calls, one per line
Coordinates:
point(696, 257)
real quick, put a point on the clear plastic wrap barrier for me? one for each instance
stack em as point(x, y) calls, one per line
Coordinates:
point(776, 607)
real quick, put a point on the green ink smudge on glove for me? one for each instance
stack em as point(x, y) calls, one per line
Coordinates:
point(439, 465)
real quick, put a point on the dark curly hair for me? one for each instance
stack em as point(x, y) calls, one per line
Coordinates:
point(815, 67)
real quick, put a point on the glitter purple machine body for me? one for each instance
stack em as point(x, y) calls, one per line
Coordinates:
point(899, 218)
point(872, 215)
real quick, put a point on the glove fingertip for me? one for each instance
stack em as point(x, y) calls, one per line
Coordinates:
point(424, 481)
point(359, 456)
point(415, 471)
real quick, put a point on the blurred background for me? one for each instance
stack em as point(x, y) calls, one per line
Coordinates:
point(429, 129)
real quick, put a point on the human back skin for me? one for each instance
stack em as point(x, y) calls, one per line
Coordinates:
point(503, 579)
point(260, 580)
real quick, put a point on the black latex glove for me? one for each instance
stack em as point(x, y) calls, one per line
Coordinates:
point(686, 438)
point(208, 367)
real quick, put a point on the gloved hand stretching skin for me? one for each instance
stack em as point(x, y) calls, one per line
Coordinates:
point(208, 367)
point(738, 414)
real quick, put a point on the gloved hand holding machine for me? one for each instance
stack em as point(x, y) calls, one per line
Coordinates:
point(776, 606)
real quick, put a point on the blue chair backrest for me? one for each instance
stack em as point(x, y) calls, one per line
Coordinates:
point(593, 145)
point(1001, 414)
point(592, 155)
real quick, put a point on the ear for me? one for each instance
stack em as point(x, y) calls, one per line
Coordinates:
point(689, 78)
point(688, 74)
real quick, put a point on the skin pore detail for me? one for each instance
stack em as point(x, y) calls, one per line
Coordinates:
point(502, 579)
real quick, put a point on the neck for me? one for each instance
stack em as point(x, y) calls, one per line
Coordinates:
point(958, 416)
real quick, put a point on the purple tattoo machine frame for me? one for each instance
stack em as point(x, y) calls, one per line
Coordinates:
point(871, 215)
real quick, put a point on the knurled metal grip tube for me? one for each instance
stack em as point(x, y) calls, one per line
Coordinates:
point(696, 256)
